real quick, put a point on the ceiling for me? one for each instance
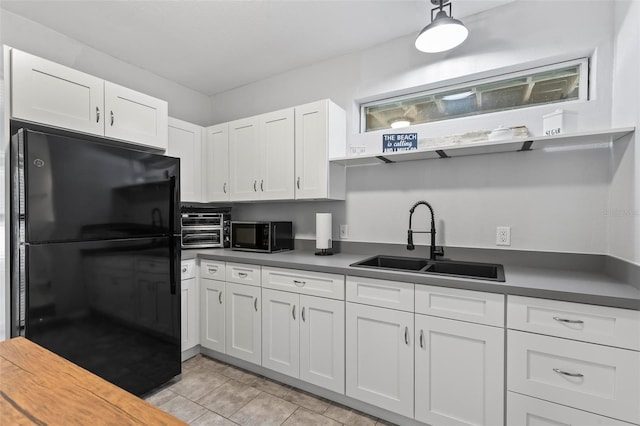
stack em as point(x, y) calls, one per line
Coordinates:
point(216, 45)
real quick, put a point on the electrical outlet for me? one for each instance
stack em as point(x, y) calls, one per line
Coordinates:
point(344, 232)
point(503, 235)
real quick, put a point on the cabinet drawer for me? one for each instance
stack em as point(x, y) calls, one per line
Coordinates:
point(526, 411)
point(592, 377)
point(383, 293)
point(212, 269)
point(304, 282)
point(597, 324)
point(242, 273)
point(187, 269)
point(465, 305)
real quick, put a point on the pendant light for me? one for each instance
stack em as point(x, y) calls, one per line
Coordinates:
point(443, 33)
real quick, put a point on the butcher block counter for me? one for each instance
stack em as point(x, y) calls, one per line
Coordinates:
point(39, 387)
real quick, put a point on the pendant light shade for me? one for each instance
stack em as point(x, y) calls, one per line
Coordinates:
point(443, 33)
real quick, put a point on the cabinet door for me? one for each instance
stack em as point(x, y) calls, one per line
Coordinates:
point(281, 332)
point(322, 342)
point(185, 142)
point(190, 335)
point(276, 145)
point(311, 152)
point(49, 93)
point(216, 163)
point(244, 159)
point(380, 357)
point(212, 316)
point(242, 311)
point(135, 117)
point(458, 361)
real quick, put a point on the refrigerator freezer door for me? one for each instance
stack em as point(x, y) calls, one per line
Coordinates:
point(112, 307)
point(78, 190)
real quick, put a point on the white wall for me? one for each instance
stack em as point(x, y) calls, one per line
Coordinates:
point(23, 34)
point(623, 214)
point(553, 201)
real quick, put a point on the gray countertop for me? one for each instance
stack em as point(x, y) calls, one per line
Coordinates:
point(584, 285)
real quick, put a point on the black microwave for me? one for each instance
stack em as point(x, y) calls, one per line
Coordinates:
point(266, 237)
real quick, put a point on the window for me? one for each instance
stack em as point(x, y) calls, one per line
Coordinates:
point(562, 82)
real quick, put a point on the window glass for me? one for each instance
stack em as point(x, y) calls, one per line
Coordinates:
point(545, 85)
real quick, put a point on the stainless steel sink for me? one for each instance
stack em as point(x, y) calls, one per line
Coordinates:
point(485, 271)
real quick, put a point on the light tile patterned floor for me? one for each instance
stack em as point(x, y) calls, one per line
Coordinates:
point(213, 393)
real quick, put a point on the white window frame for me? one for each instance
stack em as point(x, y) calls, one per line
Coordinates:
point(442, 86)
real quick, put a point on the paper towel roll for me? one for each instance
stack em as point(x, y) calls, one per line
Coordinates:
point(323, 231)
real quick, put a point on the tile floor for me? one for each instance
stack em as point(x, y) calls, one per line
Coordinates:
point(213, 393)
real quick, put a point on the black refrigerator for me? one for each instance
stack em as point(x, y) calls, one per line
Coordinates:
point(95, 255)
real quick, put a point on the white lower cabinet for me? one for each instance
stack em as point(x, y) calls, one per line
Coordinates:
point(526, 411)
point(379, 357)
point(189, 305)
point(242, 322)
point(212, 314)
point(459, 372)
point(303, 337)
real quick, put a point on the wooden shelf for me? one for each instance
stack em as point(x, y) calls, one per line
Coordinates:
point(489, 147)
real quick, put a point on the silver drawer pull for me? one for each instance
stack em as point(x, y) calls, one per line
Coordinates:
point(422, 338)
point(255, 182)
point(220, 297)
point(212, 270)
point(293, 311)
point(97, 115)
point(242, 274)
point(255, 304)
point(112, 118)
point(566, 373)
point(184, 269)
point(570, 321)
point(302, 314)
point(262, 185)
point(224, 187)
point(406, 335)
point(299, 283)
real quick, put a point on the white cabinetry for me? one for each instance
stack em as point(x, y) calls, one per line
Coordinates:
point(379, 343)
point(212, 305)
point(261, 157)
point(216, 159)
point(458, 360)
point(189, 308)
point(185, 142)
point(580, 356)
point(303, 334)
point(49, 93)
point(320, 134)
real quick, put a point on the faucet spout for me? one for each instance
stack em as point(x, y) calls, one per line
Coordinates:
point(433, 252)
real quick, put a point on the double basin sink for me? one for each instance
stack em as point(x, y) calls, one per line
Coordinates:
point(484, 271)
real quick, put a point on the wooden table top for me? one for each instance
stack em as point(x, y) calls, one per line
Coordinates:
point(39, 387)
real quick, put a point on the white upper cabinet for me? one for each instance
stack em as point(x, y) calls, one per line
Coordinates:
point(216, 163)
point(185, 142)
point(320, 135)
point(244, 159)
point(276, 159)
point(49, 93)
point(52, 94)
point(135, 117)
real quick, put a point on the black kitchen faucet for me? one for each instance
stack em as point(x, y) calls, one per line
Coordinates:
point(433, 250)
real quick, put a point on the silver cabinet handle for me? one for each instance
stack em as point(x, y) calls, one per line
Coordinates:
point(220, 297)
point(406, 335)
point(262, 185)
point(566, 373)
point(255, 304)
point(422, 339)
point(298, 182)
point(112, 118)
point(184, 269)
point(242, 274)
point(570, 321)
point(293, 311)
point(224, 187)
point(212, 270)
point(299, 283)
point(97, 115)
point(302, 314)
point(255, 182)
